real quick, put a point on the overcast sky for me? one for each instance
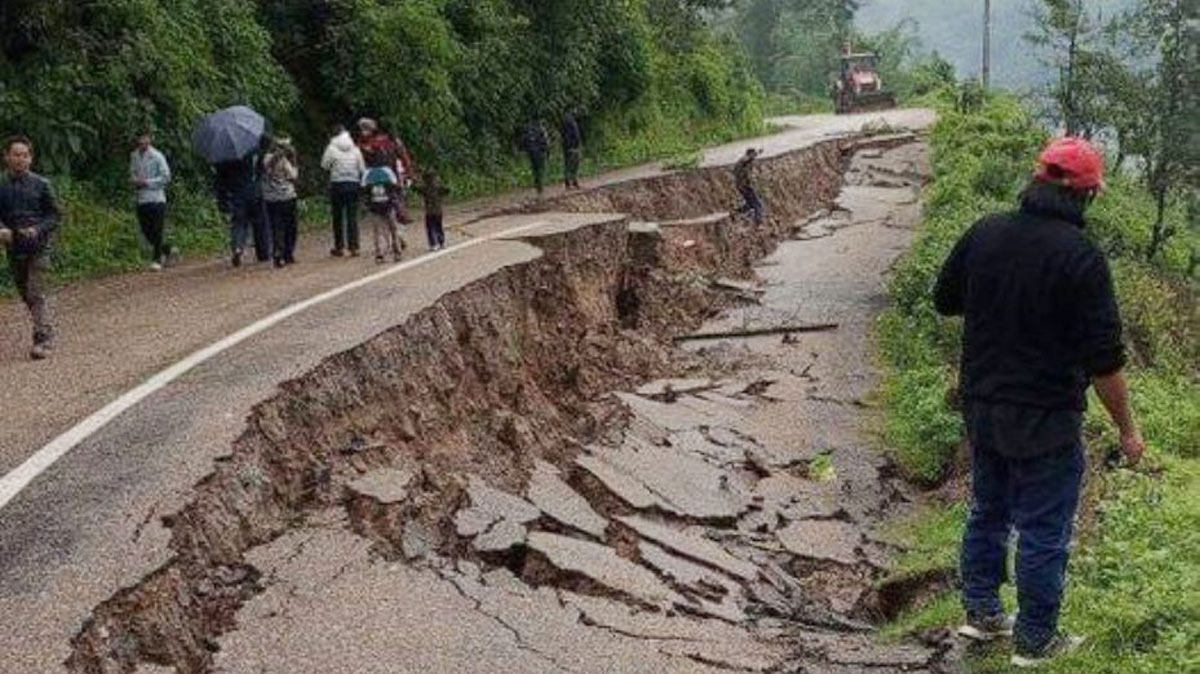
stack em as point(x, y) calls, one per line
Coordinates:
point(955, 28)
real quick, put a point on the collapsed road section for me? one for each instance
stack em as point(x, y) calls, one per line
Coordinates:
point(529, 475)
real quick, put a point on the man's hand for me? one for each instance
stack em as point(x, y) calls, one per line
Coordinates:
point(140, 182)
point(6, 237)
point(1114, 393)
point(1133, 446)
point(28, 232)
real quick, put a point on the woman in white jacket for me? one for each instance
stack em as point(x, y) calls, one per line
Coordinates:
point(345, 164)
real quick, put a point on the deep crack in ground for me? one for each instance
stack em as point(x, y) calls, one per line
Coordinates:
point(704, 486)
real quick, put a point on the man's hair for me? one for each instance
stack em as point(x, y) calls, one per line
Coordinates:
point(1056, 201)
point(17, 140)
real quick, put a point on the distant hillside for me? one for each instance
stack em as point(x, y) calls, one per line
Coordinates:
point(954, 28)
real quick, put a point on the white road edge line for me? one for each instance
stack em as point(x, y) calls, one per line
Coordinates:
point(16, 481)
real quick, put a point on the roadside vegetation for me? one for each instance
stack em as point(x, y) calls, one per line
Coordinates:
point(1135, 578)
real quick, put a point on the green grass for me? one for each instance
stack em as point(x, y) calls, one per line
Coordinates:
point(1134, 582)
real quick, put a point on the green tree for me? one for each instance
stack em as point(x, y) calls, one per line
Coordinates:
point(794, 44)
point(1067, 34)
point(1165, 34)
point(82, 78)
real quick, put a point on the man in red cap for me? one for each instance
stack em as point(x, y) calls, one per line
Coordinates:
point(1041, 325)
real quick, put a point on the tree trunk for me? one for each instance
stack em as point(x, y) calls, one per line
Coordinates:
point(1160, 235)
point(1069, 95)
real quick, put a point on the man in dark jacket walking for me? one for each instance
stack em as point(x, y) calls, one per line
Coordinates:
point(743, 180)
point(1041, 325)
point(572, 139)
point(536, 143)
point(29, 217)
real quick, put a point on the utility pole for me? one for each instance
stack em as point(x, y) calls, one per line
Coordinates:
point(987, 43)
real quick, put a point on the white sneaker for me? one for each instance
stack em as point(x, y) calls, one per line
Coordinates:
point(156, 266)
point(987, 628)
point(1060, 644)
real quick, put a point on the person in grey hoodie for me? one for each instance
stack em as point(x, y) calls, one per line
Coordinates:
point(279, 192)
point(149, 174)
point(344, 162)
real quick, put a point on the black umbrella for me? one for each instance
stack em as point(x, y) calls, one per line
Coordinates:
point(229, 134)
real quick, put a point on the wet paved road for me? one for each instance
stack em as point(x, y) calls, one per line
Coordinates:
point(90, 524)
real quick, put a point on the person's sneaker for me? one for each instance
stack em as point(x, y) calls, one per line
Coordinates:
point(353, 252)
point(41, 351)
point(397, 256)
point(1060, 644)
point(279, 263)
point(237, 258)
point(379, 259)
point(987, 628)
point(156, 266)
point(337, 252)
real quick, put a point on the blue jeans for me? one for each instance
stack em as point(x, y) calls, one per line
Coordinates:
point(1038, 496)
point(237, 204)
point(752, 203)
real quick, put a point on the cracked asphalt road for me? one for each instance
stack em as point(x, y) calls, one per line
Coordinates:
point(91, 523)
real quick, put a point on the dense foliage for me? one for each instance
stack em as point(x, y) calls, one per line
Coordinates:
point(794, 47)
point(455, 78)
point(794, 44)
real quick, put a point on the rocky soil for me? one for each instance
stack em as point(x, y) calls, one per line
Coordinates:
point(531, 474)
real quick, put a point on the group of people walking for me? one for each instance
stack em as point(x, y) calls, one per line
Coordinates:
point(379, 166)
point(258, 194)
point(535, 142)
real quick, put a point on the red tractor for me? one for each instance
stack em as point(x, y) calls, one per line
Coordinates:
point(859, 88)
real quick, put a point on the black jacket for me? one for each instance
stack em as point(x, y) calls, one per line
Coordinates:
point(1041, 317)
point(534, 140)
point(743, 172)
point(571, 135)
point(27, 200)
point(235, 177)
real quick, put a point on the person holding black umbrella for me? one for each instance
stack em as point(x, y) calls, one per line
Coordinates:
point(234, 185)
point(229, 139)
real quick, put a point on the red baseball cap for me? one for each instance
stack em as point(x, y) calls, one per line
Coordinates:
point(1072, 162)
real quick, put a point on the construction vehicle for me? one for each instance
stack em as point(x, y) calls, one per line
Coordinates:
point(859, 88)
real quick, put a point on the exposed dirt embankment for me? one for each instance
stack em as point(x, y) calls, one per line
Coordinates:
point(790, 183)
point(491, 378)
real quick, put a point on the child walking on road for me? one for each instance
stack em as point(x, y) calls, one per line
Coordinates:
point(434, 192)
point(380, 183)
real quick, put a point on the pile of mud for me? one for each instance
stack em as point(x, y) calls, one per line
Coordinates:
point(527, 425)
